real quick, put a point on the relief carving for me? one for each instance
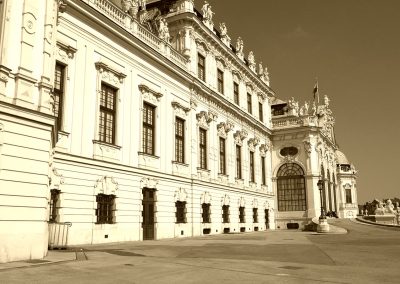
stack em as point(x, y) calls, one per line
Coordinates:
point(204, 118)
point(148, 183)
point(180, 109)
point(223, 128)
point(205, 197)
point(106, 185)
point(239, 136)
point(149, 94)
point(180, 195)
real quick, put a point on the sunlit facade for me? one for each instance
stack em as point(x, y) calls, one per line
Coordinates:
point(131, 121)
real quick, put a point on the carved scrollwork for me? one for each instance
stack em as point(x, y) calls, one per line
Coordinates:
point(223, 128)
point(226, 200)
point(180, 195)
point(150, 95)
point(204, 119)
point(106, 185)
point(205, 197)
point(109, 75)
point(148, 183)
point(180, 109)
point(252, 143)
point(239, 136)
point(242, 202)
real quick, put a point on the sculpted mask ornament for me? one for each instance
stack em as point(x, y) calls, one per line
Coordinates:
point(239, 136)
point(307, 147)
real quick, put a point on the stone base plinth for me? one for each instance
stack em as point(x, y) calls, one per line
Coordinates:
point(323, 226)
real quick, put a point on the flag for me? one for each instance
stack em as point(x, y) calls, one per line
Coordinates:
point(315, 91)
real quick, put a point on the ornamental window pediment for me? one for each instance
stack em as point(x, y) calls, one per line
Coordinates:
point(180, 195)
point(239, 136)
point(106, 185)
point(223, 128)
point(252, 143)
point(237, 77)
point(180, 109)
point(149, 94)
point(202, 46)
point(221, 64)
point(109, 75)
point(65, 52)
point(204, 119)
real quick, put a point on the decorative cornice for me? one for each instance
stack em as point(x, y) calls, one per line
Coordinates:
point(102, 67)
point(146, 90)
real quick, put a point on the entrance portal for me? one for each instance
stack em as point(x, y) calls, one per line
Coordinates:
point(148, 213)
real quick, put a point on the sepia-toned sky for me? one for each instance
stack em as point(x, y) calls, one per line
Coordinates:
point(353, 47)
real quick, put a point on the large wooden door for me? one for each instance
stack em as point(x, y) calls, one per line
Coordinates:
point(148, 213)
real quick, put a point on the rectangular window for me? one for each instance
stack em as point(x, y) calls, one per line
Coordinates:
point(260, 112)
point(263, 177)
point(222, 156)
point(206, 213)
point(201, 67)
point(252, 178)
point(105, 210)
point(180, 211)
point(220, 78)
point(236, 93)
point(348, 196)
point(241, 215)
point(238, 162)
point(55, 196)
point(255, 215)
point(249, 104)
point(203, 148)
point(59, 81)
point(179, 140)
point(148, 128)
point(225, 213)
point(108, 100)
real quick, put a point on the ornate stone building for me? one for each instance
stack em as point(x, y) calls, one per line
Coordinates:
point(133, 120)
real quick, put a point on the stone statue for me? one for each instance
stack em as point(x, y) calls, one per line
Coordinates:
point(239, 46)
point(389, 208)
point(207, 13)
point(251, 59)
point(266, 75)
point(314, 109)
point(379, 210)
point(163, 30)
point(260, 70)
point(306, 107)
point(326, 101)
point(126, 5)
point(223, 30)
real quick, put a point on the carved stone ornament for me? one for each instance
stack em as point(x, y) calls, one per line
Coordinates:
point(62, 6)
point(242, 202)
point(307, 147)
point(223, 128)
point(106, 185)
point(264, 149)
point(180, 195)
point(109, 75)
point(239, 136)
point(204, 118)
point(65, 52)
point(55, 179)
point(149, 94)
point(252, 143)
point(261, 97)
point(180, 109)
point(226, 200)
point(255, 203)
point(205, 197)
point(207, 14)
point(289, 159)
point(148, 183)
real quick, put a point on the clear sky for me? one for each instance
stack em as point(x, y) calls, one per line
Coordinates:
point(353, 47)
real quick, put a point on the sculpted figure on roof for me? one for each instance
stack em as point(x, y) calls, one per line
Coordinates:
point(239, 46)
point(207, 13)
point(163, 30)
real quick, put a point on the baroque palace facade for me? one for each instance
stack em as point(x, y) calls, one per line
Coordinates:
point(128, 120)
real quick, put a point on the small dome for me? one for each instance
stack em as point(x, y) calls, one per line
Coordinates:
point(341, 158)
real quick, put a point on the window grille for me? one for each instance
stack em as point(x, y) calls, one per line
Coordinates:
point(107, 114)
point(206, 213)
point(54, 197)
point(291, 188)
point(59, 81)
point(225, 213)
point(148, 128)
point(105, 209)
point(180, 211)
point(203, 148)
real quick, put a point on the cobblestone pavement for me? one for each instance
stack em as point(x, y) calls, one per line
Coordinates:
point(366, 254)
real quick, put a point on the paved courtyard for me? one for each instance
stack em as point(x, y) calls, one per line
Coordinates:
point(366, 254)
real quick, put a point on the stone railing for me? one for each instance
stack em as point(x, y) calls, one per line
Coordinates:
point(348, 206)
point(130, 24)
point(291, 121)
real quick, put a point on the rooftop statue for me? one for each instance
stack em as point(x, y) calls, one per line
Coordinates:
point(224, 34)
point(251, 59)
point(306, 108)
point(207, 13)
point(326, 100)
point(163, 31)
point(239, 46)
point(260, 70)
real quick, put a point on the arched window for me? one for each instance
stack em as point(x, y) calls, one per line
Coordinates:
point(291, 188)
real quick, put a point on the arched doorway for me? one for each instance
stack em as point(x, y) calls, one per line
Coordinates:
point(291, 188)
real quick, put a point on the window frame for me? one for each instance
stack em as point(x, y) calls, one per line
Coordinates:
point(105, 208)
point(263, 174)
point(291, 188)
point(201, 67)
point(238, 153)
point(222, 155)
point(180, 214)
point(242, 214)
point(105, 111)
point(349, 198)
point(225, 214)
point(203, 148)
point(252, 166)
point(236, 93)
point(179, 140)
point(148, 128)
point(59, 94)
point(206, 213)
point(220, 80)
point(261, 111)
